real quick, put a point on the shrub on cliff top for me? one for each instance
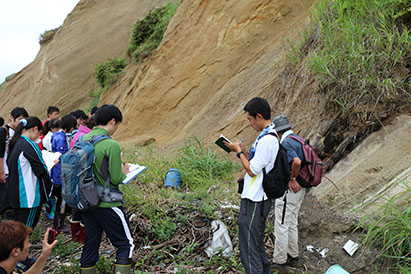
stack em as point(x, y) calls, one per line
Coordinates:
point(47, 35)
point(148, 32)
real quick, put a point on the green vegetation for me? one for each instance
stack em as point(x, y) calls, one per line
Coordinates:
point(8, 78)
point(108, 71)
point(148, 32)
point(47, 35)
point(363, 45)
point(389, 230)
point(36, 236)
point(358, 52)
point(147, 35)
point(106, 75)
point(166, 216)
point(64, 249)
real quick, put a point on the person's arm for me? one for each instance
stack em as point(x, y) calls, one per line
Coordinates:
point(39, 169)
point(60, 144)
point(295, 161)
point(115, 164)
point(38, 266)
point(295, 169)
point(3, 137)
point(238, 147)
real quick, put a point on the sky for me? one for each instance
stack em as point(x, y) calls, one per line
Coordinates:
point(21, 24)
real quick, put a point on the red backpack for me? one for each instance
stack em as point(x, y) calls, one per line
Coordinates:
point(311, 173)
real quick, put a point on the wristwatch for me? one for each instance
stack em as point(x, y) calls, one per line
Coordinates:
point(239, 153)
point(293, 179)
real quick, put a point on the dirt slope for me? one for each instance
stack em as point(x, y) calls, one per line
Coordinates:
point(214, 57)
point(62, 73)
point(378, 167)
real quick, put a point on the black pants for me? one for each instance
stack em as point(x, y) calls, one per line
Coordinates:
point(28, 216)
point(114, 222)
point(61, 207)
point(4, 201)
point(251, 227)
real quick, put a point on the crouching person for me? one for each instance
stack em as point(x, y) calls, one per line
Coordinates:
point(14, 247)
point(108, 216)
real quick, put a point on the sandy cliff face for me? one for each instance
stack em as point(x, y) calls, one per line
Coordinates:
point(214, 57)
point(62, 73)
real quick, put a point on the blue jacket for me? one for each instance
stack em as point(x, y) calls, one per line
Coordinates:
point(58, 144)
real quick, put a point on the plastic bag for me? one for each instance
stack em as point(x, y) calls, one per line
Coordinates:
point(221, 240)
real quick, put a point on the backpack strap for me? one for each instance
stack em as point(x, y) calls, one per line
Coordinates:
point(284, 207)
point(6, 128)
point(298, 139)
point(94, 140)
point(273, 134)
point(97, 138)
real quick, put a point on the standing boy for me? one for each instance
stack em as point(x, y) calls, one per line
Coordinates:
point(255, 205)
point(53, 112)
point(286, 233)
point(59, 144)
point(108, 216)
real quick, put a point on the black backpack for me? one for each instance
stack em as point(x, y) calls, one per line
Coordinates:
point(275, 182)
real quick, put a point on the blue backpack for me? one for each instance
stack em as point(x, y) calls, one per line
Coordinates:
point(79, 187)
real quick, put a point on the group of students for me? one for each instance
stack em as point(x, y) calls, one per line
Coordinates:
point(26, 185)
point(25, 181)
point(29, 186)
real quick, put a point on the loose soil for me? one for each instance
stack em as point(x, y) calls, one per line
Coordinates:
point(319, 226)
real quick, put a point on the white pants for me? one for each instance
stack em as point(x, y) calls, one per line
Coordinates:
point(286, 235)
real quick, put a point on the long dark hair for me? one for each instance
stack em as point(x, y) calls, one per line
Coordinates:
point(28, 123)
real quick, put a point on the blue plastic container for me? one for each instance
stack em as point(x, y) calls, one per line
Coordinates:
point(173, 178)
point(336, 269)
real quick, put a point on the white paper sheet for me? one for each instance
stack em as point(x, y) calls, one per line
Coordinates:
point(49, 158)
point(350, 247)
point(133, 172)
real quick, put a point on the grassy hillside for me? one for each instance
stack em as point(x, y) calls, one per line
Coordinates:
point(361, 56)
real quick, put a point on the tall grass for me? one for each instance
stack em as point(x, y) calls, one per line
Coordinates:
point(364, 49)
point(201, 168)
point(389, 230)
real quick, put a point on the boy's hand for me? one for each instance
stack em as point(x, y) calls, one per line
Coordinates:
point(2, 177)
point(125, 168)
point(47, 248)
point(235, 146)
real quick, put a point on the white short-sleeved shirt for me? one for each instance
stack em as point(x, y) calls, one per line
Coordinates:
point(47, 141)
point(264, 157)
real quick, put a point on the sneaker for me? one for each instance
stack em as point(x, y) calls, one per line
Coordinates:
point(64, 229)
point(278, 268)
point(293, 262)
point(50, 208)
point(266, 269)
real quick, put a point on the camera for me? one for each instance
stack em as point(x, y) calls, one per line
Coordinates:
point(52, 236)
point(240, 185)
